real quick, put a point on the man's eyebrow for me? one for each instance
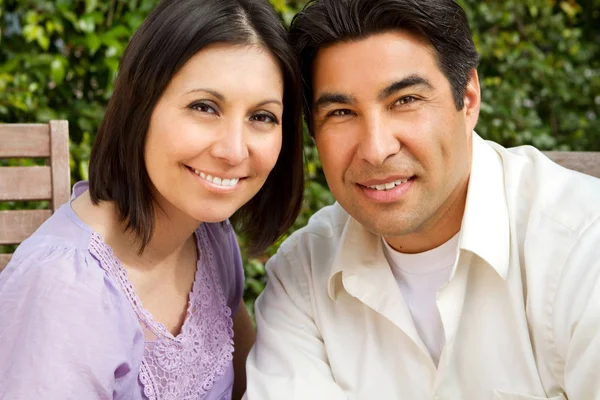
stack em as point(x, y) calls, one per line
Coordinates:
point(409, 81)
point(327, 99)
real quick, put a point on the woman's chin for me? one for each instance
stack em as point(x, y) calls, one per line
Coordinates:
point(212, 217)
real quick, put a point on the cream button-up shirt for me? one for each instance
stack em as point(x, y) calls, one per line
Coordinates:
point(521, 312)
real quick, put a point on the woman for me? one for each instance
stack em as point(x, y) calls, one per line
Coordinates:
point(133, 290)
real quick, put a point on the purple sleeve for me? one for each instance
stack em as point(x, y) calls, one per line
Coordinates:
point(65, 332)
point(238, 274)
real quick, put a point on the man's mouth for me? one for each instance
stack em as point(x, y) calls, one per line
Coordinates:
point(389, 185)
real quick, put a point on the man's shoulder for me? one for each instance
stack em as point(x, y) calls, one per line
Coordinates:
point(325, 225)
point(305, 257)
point(569, 198)
point(312, 248)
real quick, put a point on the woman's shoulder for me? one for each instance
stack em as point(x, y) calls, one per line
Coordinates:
point(62, 239)
point(55, 268)
point(57, 254)
point(64, 229)
point(62, 309)
point(54, 271)
point(58, 240)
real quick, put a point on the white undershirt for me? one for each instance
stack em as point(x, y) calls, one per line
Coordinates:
point(419, 277)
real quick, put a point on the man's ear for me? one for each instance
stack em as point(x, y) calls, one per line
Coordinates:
point(472, 101)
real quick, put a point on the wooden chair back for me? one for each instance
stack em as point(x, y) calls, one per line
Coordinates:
point(587, 162)
point(50, 182)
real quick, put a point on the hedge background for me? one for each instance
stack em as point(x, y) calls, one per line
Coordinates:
point(540, 76)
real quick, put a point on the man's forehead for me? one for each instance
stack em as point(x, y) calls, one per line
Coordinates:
point(377, 40)
point(372, 63)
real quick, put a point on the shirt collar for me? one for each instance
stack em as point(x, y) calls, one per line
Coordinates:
point(359, 252)
point(484, 230)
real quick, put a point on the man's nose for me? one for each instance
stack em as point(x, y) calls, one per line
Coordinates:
point(378, 141)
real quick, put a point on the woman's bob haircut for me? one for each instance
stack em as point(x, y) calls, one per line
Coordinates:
point(174, 32)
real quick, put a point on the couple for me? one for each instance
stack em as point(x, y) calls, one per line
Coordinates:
point(449, 268)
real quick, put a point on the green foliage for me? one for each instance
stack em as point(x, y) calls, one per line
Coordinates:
point(58, 60)
point(539, 72)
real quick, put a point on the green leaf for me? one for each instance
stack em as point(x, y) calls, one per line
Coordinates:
point(84, 166)
point(533, 10)
point(57, 71)
point(118, 32)
point(280, 5)
point(70, 16)
point(43, 41)
point(31, 32)
point(32, 17)
point(570, 9)
point(87, 24)
point(93, 43)
point(90, 5)
point(134, 20)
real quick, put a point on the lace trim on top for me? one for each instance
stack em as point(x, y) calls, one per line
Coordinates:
point(186, 366)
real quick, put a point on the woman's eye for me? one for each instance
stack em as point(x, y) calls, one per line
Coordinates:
point(203, 107)
point(265, 118)
point(340, 113)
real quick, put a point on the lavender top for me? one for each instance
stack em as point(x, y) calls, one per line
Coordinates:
point(72, 326)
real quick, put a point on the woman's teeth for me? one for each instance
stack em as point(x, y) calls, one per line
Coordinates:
point(215, 180)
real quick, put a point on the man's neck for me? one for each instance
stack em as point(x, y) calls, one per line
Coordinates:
point(440, 228)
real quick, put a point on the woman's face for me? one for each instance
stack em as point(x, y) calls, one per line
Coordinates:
point(215, 133)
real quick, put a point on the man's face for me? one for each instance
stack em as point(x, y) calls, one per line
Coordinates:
point(395, 150)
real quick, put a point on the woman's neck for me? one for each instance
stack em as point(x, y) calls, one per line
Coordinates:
point(172, 238)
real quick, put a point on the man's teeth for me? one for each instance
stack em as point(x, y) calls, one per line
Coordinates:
point(389, 185)
point(215, 180)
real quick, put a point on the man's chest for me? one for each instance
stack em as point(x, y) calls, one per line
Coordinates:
point(490, 348)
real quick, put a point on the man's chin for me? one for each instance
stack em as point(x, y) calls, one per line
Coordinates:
point(387, 223)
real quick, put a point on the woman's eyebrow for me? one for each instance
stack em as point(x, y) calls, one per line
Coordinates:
point(210, 91)
point(270, 101)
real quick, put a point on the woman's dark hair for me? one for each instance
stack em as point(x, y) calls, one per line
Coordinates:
point(443, 23)
point(173, 32)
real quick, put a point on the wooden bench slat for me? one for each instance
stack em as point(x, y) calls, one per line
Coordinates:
point(24, 140)
point(18, 225)
point(587, 162)
point(50, 182)
point(25, 183)
point(4, 259)
point(59, 162)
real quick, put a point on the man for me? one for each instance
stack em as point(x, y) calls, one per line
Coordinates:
point(450, 267)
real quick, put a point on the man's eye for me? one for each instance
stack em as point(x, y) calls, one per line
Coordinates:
point(339, 113)
point(405, 100)
point(203, 107)
point(266, 118)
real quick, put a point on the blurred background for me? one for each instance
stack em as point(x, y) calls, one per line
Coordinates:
point(539, 71)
